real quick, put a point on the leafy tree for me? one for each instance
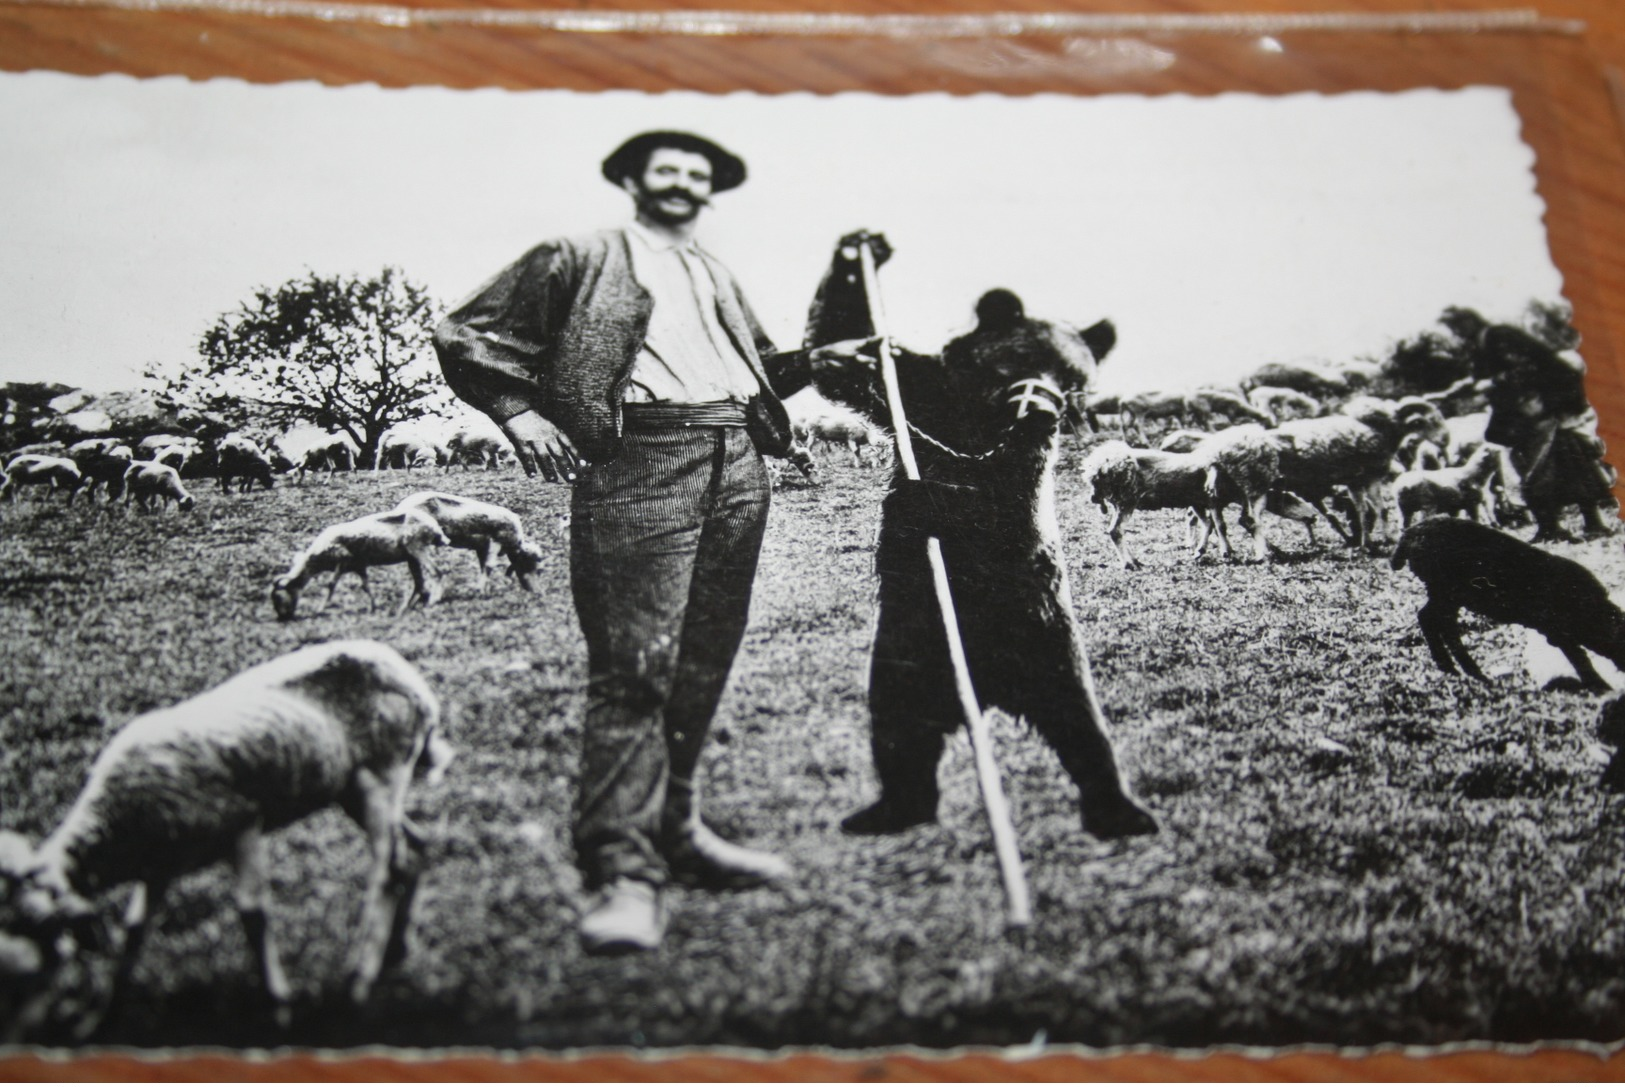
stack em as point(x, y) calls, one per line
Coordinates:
point(339, 352)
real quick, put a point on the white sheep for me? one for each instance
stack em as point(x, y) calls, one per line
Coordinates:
point(1181, 441)
point(1240, 468)
point(150, 485)
point(242, 459)
point(1176, 409)
point(1416, 452)
point(147, 448)
point(850, 430)
point(476, 447)
point(379, 539)
point(1231, 404)
point(344, 723)
point(39, 470)
point(1445, 491)
point(333, 453)
point(480, 527)
point(1466, 434)
point(1284, 404)
point(1248, 464)
point(177, 456)
point(408, 450)
point(1350, 453)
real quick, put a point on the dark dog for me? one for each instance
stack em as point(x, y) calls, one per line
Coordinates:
point(1468, 565)
point(984, 417)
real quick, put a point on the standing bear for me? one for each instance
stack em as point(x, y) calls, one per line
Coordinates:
point(985, 418)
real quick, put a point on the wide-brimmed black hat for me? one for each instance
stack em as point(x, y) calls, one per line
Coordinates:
point(629, 159)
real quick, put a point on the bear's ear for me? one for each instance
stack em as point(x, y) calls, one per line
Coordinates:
point(1100, 338)
point(999, 310)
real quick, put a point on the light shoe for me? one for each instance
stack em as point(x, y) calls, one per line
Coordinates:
point(701, 858)
point(627, 917)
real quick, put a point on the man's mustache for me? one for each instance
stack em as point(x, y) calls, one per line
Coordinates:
point(693, 198)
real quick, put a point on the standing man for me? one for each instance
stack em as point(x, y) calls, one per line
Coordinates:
point(628, 363)
point(1538, 410)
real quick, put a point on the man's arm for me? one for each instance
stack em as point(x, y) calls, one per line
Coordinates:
point(494, 351)
point(791, 371)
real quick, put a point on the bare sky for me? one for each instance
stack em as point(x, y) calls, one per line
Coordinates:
point(1219, 233)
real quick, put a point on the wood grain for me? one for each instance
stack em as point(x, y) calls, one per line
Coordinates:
point(1561, 88)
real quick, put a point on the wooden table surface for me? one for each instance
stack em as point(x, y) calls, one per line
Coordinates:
point(1560, 78)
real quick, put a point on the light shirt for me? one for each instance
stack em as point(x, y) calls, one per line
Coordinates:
point(687, 355)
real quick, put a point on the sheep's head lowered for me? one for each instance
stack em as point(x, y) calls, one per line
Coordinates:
point(524, 561)
point(285, 597)
point(35, 900)
point(42, 924)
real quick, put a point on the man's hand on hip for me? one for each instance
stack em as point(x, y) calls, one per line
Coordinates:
point(543, 447)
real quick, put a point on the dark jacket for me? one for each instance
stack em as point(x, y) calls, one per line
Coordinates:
point(558, 330)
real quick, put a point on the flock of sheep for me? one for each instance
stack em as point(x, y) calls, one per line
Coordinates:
point(1291, 453)
point(149, 473)
point(1421, 461)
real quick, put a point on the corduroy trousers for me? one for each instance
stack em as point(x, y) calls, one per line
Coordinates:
point(664, 542)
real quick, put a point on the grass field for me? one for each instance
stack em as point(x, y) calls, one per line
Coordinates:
point(1356, 849)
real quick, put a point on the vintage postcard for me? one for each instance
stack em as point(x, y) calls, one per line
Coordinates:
point(462, 586)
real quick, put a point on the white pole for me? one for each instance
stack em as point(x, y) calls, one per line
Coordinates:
point(1005, 846)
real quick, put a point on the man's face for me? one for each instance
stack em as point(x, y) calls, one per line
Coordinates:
point(674, 186)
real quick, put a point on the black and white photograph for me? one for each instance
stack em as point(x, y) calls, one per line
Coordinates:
point(559, 571)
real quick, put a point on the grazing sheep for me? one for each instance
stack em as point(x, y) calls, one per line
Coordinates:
point(380, 539)
point(343, 724)
point(1359, 375)
point(477, 448)
point(850, 430)
point(241, 458)
point(1444, 491)
point(1468, 565)
point(176, 456)
point(38, 470)
point(408, 451)
point(148, 447)
point(799, 456)
point(1284, 404)
point(1121, 479)
point(480, 527)
point(151, 485)
point(334, 453)
point(102, 463)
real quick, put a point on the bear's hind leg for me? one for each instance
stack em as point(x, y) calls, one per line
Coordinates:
point(912, 708)
point(906, 757)
point(1056, 695)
